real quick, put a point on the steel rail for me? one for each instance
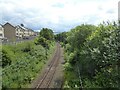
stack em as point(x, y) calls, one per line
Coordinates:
point(54, 64)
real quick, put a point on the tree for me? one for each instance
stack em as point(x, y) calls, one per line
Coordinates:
point(47, 34)
point(22, 25)
point(95, 49)
point(42, 41)
point(79, 34)
point(61, 37)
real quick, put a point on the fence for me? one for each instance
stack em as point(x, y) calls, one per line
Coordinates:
point(16, 41)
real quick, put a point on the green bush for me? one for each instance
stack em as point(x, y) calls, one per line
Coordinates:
point(28, 46)
point(6, 60)
point(96, 52)
point(27, 60)
point(42, 41)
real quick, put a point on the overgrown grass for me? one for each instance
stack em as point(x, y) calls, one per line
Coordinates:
point(27, 59)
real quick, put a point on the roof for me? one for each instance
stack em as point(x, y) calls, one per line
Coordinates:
point(8, 24)
point(21, 27)
point(0, 25)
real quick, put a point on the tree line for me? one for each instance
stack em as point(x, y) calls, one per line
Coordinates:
point(92, 55)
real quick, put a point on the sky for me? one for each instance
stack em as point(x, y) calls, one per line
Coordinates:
point(58, 15)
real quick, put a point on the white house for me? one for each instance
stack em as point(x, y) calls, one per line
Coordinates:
point(1, 32)
point(19, 32)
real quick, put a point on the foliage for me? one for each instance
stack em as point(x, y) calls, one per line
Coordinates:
point(61, 37)
point(27, 47)
point(47, 34)
point(27, 60)
point(95, 50)
point(79, 34)
point(42, 41)
point(45, 37)
point(6, 60)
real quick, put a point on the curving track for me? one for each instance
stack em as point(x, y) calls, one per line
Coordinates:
point(49, 73)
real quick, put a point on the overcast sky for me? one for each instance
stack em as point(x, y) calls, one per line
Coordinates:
point(59, 15)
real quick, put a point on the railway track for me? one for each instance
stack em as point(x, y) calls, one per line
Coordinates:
point(49, 73)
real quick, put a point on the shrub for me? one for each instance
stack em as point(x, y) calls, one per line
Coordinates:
point(6, 60)
point(26, 47)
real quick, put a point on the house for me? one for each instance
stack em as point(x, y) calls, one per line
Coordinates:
point(26, 33)
point(19, 32)
point(1, 32)
point(36, 33)
point(31, 32)
point(22, 32)
point(14, 33)
point(10, 32)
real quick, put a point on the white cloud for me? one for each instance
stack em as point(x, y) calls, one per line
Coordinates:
point(58, 14)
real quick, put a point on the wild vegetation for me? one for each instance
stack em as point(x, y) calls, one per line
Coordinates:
point(22, 62)
point(92, 56)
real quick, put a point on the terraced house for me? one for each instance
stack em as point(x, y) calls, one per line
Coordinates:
point(1, 32)
point(9, 32)
point(13, 33)
point(31, 32)
point(22, 32)
point(19, 32)
point(26, 33)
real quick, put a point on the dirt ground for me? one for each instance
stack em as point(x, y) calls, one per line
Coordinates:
point(59, 74)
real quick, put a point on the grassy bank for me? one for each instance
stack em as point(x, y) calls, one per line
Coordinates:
point(22, 62)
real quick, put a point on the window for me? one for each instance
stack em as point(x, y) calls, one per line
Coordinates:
point(1, 29)
point(1, 34)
